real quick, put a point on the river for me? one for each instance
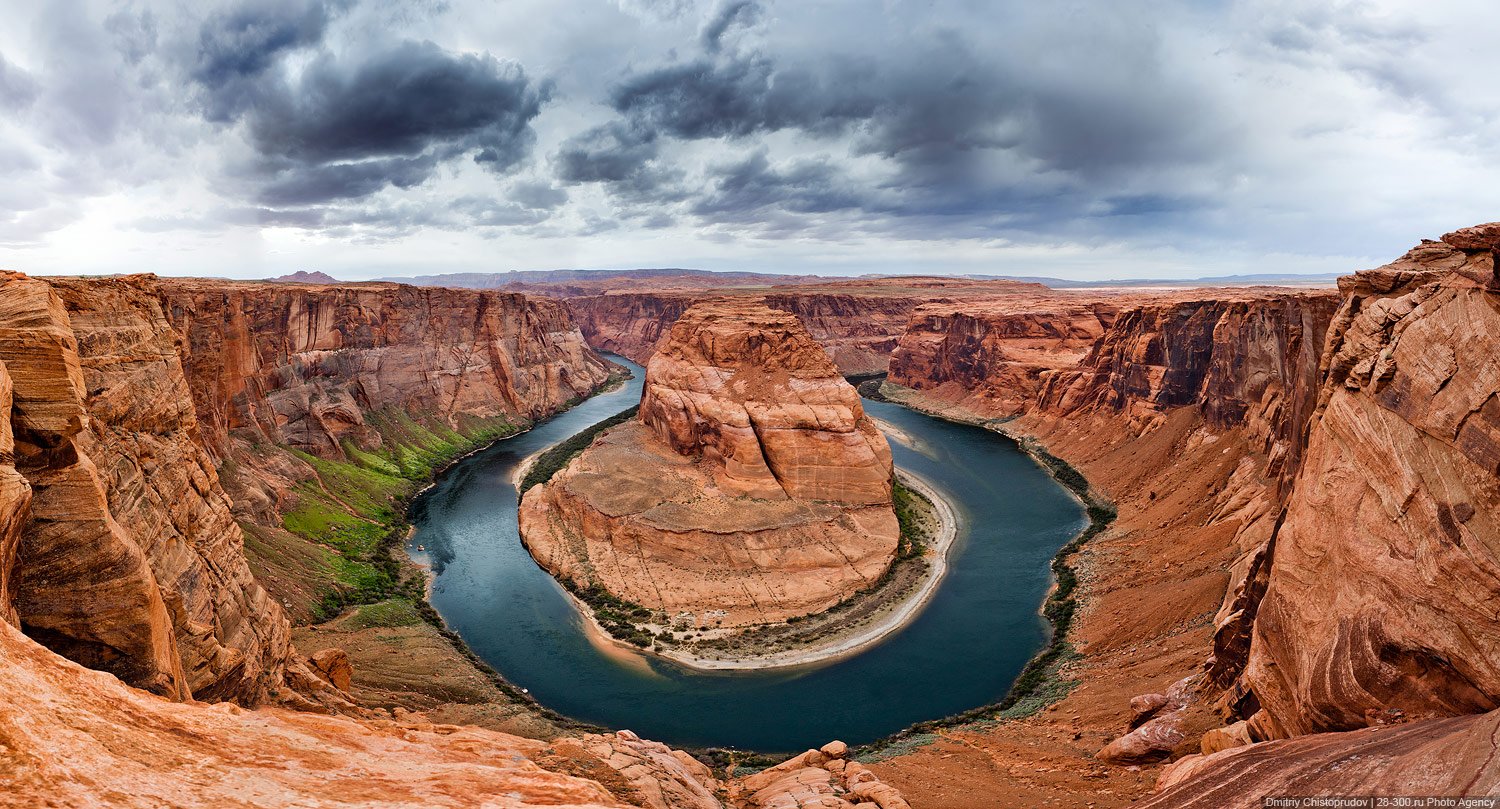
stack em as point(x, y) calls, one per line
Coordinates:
point(963, 650)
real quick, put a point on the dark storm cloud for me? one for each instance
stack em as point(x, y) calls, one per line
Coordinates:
point(961, 130)
point(412, 99)
point(729, 14)
point(237, 45)
point(743, 96)
point(303, 184)
point(611, 153)
point(349, 126)
point(622, 157)
point(752, 185)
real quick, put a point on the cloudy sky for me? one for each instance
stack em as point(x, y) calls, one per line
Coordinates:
point(1077, 139)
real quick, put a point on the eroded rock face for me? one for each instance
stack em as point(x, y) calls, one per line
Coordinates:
point(825, 777)
point(744, 386)
point(105, 744)
point(84, 585)
point(1448, 757)
point(303, 365)
point(752, 485)
point(1387, 562)
point(993, 357)
point(15, 505)
point(858, 322)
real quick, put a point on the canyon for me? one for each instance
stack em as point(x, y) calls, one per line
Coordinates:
point(156, 432)
point(751, 489)
point(1295, 596)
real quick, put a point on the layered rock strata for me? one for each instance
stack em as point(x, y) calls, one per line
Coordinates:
point(303, 365)
point(858, 322)
point(752, 485)
point(130, 560)
point(1387, 560)
point(994, 357)
point(1444, 758)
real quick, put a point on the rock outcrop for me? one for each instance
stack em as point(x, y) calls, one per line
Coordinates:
point(993, 357)
point(744, 386)
point(131, 561)
point(825, 778)
point(1449, 758)
point(105, 744)
point(858, 322)
point(1387, 561)
point(304, 365)
point(15, 505)
point(752, 485)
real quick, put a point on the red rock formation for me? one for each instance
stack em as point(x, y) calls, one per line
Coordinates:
point(626, 323)
point(302, 365)
point(753, 483)
point(858, 321)
point(859, 331)
point(15, 505)
point(1388, 556)
point(825, 777)
point(747, 388)
point(85, 585)
point(993, 356)
point(1439, 757)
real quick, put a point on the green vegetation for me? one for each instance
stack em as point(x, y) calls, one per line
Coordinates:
point(357, 506)
point(389, 613)
point(615, 614)
point(550, 462)
point(908, 505)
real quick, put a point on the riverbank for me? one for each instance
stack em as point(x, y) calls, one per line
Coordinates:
point(1042, 682)
point(849, 640)
point(404, 654)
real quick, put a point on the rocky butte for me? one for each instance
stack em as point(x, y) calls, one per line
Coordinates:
point(752, 484)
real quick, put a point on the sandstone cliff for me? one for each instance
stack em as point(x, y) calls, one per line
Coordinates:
point(1185, 411)
point(858, 321)
point(1387, 560)
point(753, 485)
point(302, 366)
point(993, 357)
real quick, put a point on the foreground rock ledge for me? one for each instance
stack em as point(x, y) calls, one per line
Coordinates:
point(752, 488)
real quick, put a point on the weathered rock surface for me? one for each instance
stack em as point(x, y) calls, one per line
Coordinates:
point(84, 584)
point(745, 387)
point(15, 505)
point(303, 365)
point(817, 779)
point(858, 322)
point(74, 737)
point(994, 356)
point(653, 775)
point(1449, 757)
point(753, 484)
point(333, 666)
point(1387, 562)
point(1157, 727)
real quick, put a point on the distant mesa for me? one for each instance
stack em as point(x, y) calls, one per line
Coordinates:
point(304, 277)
